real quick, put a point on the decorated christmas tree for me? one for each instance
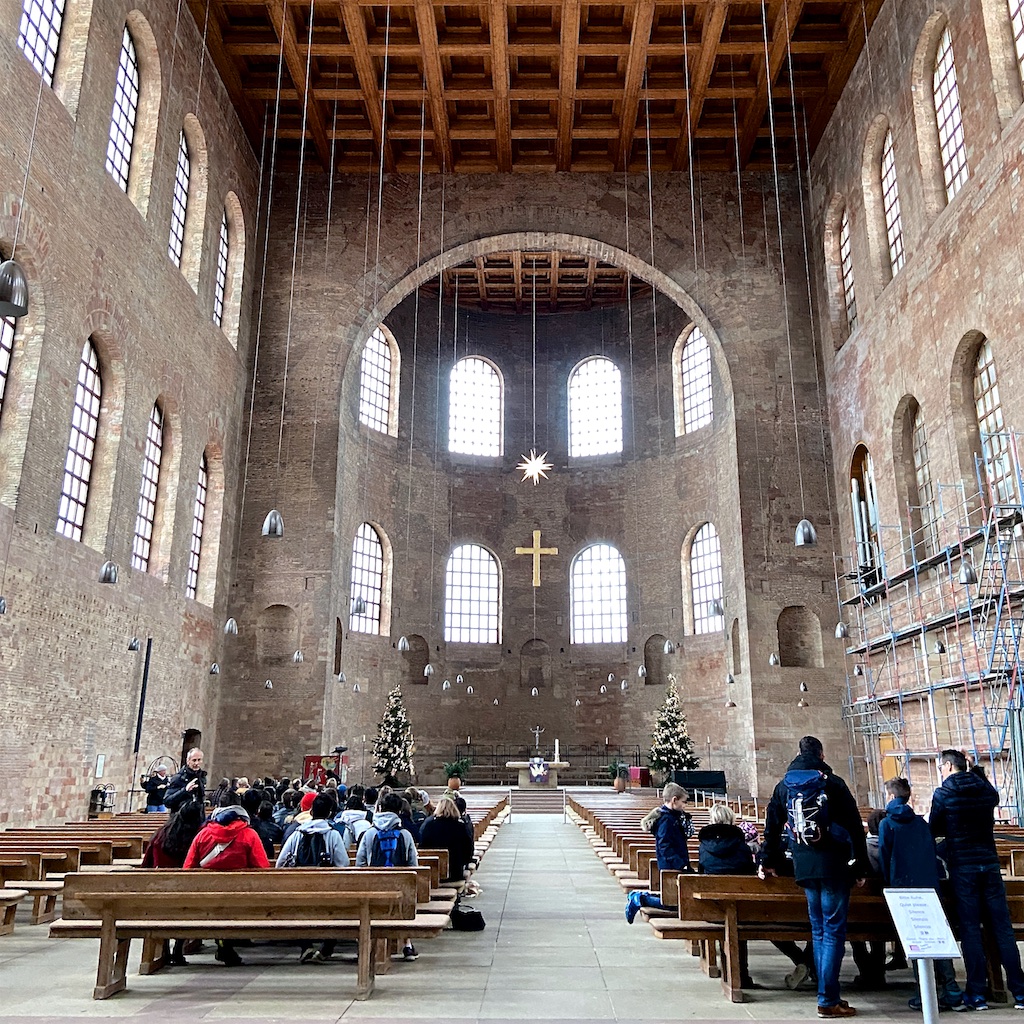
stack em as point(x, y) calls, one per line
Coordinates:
point(672, 748)
point(392, 749)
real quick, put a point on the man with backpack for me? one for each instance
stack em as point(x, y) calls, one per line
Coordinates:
point(813, 820)
point(385, 844)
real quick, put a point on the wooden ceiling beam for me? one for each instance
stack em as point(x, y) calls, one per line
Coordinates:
point(570, 37)
point(636, 65)
point(426, 27)
point(500, 72)
point(296, 60)
point(710, 37)
point(351, 20)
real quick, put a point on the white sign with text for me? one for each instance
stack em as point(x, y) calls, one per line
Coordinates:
point(921, 924)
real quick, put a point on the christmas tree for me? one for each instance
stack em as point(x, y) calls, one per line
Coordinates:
point(672, 748)
point(392, 749)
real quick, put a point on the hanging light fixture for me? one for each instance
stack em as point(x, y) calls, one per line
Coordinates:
point(428, 670)
point(773, 660)
point(578, 702)
point(297, 658)
point(716, 608)
point(3, 605)
point(611, 677)
point(108, 573)
point(729, 678)
point(359, 605)
point(806, 535)
point(356, 688)
point(730, 703)
point(804, 688)
point(215, 669)
point(534, 692)
point(231, 628)
point(459, 679)
point(403, 644)
point(273, 525)
point(446, 685)
point(268, 685)
point(858, 670)
point(13, 289)
point(842, 630)
point(133, 644)
point(642, 672)
point(802, 703)
point(470, 691)
point(624, 684)
point(967, 577)
point(342, 678)
point(669, 648)
point(495, 701)
point(940, 647)
point(604, 689)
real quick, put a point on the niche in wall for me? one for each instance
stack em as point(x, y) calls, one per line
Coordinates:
point(416, 658)
point(277, 634)
point(535, 665)
point(654, 659)
point(799, 638)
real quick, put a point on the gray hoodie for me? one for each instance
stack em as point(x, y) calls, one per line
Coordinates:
point(356, 821)
point(332, 839)
point(382, 821)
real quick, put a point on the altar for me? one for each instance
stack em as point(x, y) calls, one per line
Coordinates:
point(527, 773)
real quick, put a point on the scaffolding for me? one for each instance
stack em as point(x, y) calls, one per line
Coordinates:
point(934, 606)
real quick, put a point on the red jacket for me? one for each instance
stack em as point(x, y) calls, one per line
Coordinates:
point(242, 848)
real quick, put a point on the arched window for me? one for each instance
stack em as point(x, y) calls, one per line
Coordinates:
point(7, 328)
point(124, 113)
point(475, 408)
point(695, 371)
point(85, 422)
point(220, 281)
point(378, 398)
point(995, 442)
point(179, 202)
point(598, 596)
point(706, 581)
point(846, 270)
point(234, 255)
point(864, 503)
point(149, 491)
point(595, 408)
point(367, 582)
point(195, 549)
point(39, 34)
point(472, 596)
point(925, 487)
point(1017, 26)
point(948, 117)
point(891, 205)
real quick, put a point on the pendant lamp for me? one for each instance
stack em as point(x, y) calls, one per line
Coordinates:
point(446, 685)
point(642, 671)
point(268, 685)
point(133, 644)
point(773, 660)
point(215, 669)
point(231, 627)
point(273, 525)
point(967, 577)
point(297, 658)
point(3, 605)
point(403, 645)
point(842, 630)
point(806, 535)
point(342, 678)
point(669, 648)
point(428, 670)
point(13, 290)
point(108, 573)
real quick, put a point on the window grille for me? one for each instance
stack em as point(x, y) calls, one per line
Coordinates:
point(220, 282)
point(475, 408)
point(146, 515)
point(123, 116)
point(85, 421)
point(195, 550)
point(472, 597)
point(179, 202)
point(367, 580)
point(949, 118)
point(698, 398)
point(375, 383)
point(891, 206)
point(995, 442)
point(39, 34)
point(846, 266)
point(1017, 27)
point(598, 596)
point(706, 580)
point(925, 487)
point(595, 408)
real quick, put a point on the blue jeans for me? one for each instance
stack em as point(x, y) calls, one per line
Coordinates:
point(154, 808)
point(980, 893)
point(826, 908)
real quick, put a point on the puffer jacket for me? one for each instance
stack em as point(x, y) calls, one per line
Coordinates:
point(230, 844)
point(384, 821)
point(671, 830)
point(962, 814)
point(906, 849)
point(177, 794)
point(723, 850)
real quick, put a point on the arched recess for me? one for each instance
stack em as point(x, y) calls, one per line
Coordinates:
point(236, 267)
point(734, 637)
point(535, 665)
point(864, 516)
point(799, 634)
point(416, 659)
point(912, 474)
point(198, 190)
point(1006, 68)
point(140, 175)
point(654, 660)
point(206, 586)
point(834, 291)
point(929, 156)
point(74, 35)
point(874, 210)
point(277, 634)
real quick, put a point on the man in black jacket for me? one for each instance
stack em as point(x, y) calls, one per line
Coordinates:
point(825, 867)
point(189, 783)
point(962, 815)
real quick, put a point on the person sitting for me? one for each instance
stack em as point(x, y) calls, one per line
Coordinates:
point(305, 805)
point(226, 843)
point(354, 818)
point(405, 814)
point(671, 826)
point(286, 807)
point(370, 802)
point(443, 830)
point(270, 832)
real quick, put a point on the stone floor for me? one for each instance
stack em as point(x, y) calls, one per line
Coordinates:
point(556, 947)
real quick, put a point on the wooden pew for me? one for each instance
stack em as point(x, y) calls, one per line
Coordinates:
point(9, 900)
point(369, 905)
point(44, 897)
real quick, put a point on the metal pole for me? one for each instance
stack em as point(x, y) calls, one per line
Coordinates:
point(138, 721)
point(926, 981)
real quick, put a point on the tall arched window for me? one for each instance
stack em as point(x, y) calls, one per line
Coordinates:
point(367, 582)
point(146, 516)
point(7, 328)
point(595, 408)
point(864, 506)
point(85, 423)
point(597, 596)
point(891, 205)
point(39, 34)
point(698, 408)
point(995, 442)
point(706, 581)
point(948, 117)
point(124, 113)
point(195, 548)
point(378, 398)
point(472, 596)
point(179, 202)
point(220, 280)
point(925, 487)
point(846, 270)
point(475, 408)
point(1017, 27)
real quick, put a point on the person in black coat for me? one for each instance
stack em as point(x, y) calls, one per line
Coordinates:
point(187, 784)
point(156, 788)
point(671, 826)
point(443, 830)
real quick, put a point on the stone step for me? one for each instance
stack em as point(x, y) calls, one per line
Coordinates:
point(540, 801)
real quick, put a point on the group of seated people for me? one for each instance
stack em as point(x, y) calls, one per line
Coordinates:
point(241, 828)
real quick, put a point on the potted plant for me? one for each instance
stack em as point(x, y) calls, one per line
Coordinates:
point(618, 772)
point(456, 771)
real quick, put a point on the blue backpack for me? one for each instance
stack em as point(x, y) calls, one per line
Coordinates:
point(387, 849)
point(807, 812)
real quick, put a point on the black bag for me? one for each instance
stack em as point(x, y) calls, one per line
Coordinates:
point(466, 919)
point(312, 851)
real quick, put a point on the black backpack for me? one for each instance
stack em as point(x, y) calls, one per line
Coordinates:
point(312, 851)
point(807, 810)
point(387, 850)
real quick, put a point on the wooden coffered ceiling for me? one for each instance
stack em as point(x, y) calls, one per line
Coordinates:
point(508, 85)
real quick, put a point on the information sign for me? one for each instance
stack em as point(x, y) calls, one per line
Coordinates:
point(921, 924)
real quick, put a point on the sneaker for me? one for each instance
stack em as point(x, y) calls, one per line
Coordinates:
point(409, 953)
point(311, 955)
point(1018, 1002)
point(841, 1009)
point(797, 976)
point(633, 905)
point(227, 956)
point(972, 1004)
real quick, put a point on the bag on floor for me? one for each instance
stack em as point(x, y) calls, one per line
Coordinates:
point(467, 919)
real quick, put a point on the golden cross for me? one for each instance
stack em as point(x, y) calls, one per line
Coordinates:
point(536, 551)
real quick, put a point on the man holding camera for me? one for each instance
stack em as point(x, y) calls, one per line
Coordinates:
point(189, 783)
point(156, 790)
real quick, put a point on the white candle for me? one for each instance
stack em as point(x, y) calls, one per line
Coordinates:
point(556, 750)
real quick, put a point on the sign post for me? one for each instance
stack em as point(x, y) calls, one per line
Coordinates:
point(926, 936)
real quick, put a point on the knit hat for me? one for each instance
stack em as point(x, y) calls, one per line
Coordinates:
point(307, 801)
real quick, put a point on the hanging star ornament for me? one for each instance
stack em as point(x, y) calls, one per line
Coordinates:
point(534, 467)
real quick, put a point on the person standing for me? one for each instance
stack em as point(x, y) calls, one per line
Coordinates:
point(813, 819)
point(962, 816)
point(187, 784)
point(156, 789)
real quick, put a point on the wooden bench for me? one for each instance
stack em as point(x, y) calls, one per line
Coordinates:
point(44, 898)
point(9, 900)
point(369, 905)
